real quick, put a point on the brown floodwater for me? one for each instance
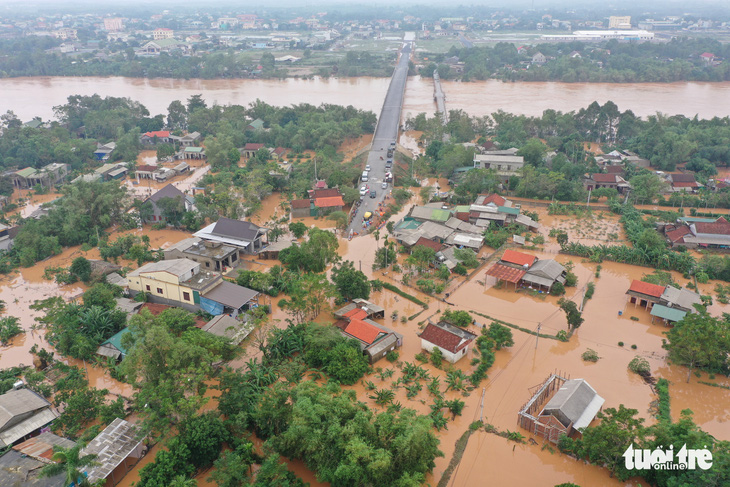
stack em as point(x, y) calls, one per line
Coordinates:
point(36, 96)
point(486, 97)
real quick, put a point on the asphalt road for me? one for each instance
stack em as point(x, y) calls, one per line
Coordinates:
point(465, 42)
point(385, 133)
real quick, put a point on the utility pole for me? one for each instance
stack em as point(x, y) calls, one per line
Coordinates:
point(537, 336)
point(589, 197)
point(481, 411)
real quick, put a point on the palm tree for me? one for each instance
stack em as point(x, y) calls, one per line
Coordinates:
point(69, 462)
point(183, 481)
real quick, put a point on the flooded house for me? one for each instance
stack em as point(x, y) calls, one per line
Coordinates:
point(571, 406)
point(23, 413)
point(355, 321)
point(103, 151)
point(182, 283)
point(610, 180)
point(117, 449)
point(248, 237)
point(46, 177)
point(212, 255)
point(451, 340)
point(698, 232)
point(666, 303)
point(154, 137)
point(186, 202)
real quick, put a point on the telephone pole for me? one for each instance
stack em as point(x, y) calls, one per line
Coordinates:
point(537, 336)
point(481, 410)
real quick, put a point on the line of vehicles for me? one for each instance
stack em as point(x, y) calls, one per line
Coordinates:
point(365, 189)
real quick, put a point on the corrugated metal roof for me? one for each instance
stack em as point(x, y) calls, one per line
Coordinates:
point(26, 173)
point(573, 400)
point(177, 267)
point(111, 447)
point(670, 314)
point(506, 273)
point(232, 295)
point(41, 447)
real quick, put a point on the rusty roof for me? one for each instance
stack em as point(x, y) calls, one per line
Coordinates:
point(506, 273)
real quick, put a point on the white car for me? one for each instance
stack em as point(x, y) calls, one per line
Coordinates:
point(363, 190)
point(384, 185)
point(367, 168)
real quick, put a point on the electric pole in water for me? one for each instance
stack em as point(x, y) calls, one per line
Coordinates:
point(481, 411)
point(537, 337)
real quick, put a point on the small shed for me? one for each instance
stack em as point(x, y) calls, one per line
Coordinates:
point(113, 347)
point(230, 298)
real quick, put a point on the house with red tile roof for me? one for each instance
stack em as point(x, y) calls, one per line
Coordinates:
point(644, 294)
point(356, 322)
point(451, 340)
point(513, 258)
point(682, 182)
point(611, 180)
point(698, 232)
point(249, 150)
point(155, 136)
point(279, 153)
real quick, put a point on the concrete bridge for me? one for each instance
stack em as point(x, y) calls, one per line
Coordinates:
point(386, 135)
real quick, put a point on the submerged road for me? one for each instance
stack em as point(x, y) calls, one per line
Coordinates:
point(386, 132)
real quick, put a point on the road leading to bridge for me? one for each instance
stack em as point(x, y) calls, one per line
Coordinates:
point(386, 132)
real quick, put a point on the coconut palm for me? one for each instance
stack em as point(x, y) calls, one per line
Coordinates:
point(183, 481)
point(68, 461)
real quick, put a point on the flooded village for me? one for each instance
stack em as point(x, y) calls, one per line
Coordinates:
point(327, 282)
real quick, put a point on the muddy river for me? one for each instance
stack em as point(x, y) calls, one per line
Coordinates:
point(35, 96)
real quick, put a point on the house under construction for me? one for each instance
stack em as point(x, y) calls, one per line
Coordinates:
point(569, 406)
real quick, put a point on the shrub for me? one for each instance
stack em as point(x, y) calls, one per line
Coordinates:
point(590, 289)
point(590, 355)
point(620, 344)
point(640, 365)
point(460, 269)
point(457, 318)
point(422, 357)
point(392, 356)
point(633, 347)
point(437, 357)
point(562, 335)
point(634, 318)
point(558, 289)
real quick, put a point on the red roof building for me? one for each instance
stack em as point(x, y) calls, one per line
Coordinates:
point(493, 198)
point(677, 235)
point(300, 204)
point(329, 202)
point(363, 331)
point(451, 340)
point(356, 314)
point(250, 146)
point(428, 243)
point(506, 273)
point(518, 258)
point(646, 288)
point(160, 134)
point(324, 193)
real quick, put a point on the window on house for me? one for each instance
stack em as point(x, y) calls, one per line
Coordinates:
point(186, 296)
point(148, 287)
point(207, 264)
point(159, 290)
point(234, 257)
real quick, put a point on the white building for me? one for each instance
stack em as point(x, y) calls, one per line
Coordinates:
point(451, 340)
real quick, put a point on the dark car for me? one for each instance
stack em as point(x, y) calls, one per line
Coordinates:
point(373, 194)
